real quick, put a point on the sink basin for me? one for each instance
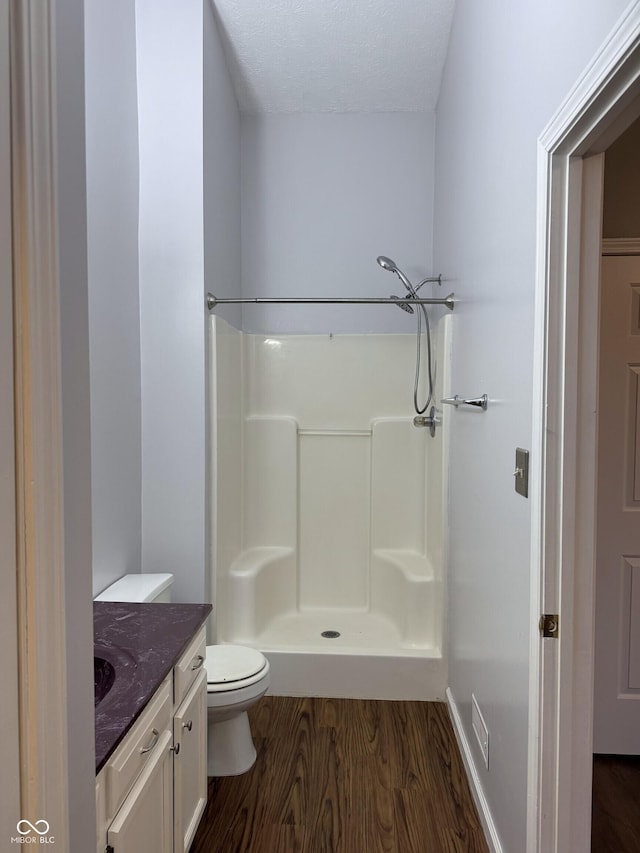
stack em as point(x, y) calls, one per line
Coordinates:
point(114, 673)
point(104, 676)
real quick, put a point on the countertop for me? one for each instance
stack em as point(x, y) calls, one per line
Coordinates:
point(142, 642)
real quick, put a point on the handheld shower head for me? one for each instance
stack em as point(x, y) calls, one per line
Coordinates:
point(386, 263)
point(391, 266)
point(405, 304)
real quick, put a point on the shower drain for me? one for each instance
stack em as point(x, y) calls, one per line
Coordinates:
point(330, 635)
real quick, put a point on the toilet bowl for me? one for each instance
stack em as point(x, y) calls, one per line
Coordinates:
point(237, 677)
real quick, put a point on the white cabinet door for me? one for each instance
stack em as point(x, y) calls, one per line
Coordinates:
point(190, 763)
point(144, 822)
point(617, 641)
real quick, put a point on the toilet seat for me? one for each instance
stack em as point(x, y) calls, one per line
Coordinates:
point(232, 667)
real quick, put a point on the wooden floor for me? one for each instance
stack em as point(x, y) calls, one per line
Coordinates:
point(615, 823)
point(345, 775)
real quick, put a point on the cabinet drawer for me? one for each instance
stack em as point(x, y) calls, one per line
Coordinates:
point(189, 666)
point(138, 747)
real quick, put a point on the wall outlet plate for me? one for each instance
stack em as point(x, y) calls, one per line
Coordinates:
point(481, 730)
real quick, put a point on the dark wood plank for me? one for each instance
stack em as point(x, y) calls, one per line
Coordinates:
point(345, 776)
point(374, 828)
point(416, 822)
point(615, 821)
point(285, 791)
point(412, 756)
point(285, 838)
point(327, 813)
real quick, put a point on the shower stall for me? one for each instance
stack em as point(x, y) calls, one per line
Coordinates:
point(328, 510)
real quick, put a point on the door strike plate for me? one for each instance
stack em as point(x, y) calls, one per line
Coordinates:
point(521, 473)
point(549, 625)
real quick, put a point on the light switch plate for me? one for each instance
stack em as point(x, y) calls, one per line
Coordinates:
point(521, 474)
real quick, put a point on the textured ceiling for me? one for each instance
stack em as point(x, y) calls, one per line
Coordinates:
point(335, 55)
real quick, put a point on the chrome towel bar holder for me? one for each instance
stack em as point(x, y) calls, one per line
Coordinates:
point(477, 402)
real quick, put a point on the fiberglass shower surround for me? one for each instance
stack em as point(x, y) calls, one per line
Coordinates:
point(328, 511)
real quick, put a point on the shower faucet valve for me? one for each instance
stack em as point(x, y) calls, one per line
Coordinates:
point(430, 421)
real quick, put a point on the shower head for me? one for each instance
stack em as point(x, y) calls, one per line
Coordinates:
point(391, 266)
point(387, 263)
point(402, 304)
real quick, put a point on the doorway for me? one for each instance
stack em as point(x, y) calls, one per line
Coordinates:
point(616, 696)
point(603, 104)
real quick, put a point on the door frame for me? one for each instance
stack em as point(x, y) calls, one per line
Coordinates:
point(9, 674)
point(603, 103)
point(40, 576)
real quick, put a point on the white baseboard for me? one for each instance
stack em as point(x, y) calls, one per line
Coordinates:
point(477, 791)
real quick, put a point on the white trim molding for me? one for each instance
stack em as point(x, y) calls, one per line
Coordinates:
point(602, 104)
point(609, 75)
point(477, 791)
point(621, 246)
point(40, 556)
point(9, 674)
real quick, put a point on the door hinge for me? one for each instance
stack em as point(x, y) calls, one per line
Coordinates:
point(549, 625)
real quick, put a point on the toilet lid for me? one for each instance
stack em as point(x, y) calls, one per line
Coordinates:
point(232, 663)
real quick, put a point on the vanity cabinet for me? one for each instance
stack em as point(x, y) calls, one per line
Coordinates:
point(152, 791)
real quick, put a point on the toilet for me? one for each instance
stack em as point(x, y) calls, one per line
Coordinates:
point(237, 677)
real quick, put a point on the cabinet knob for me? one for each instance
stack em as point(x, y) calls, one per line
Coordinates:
point(175, 749)
point(188, 725)
point(197, 662)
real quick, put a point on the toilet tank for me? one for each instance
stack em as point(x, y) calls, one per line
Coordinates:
point(142, 587)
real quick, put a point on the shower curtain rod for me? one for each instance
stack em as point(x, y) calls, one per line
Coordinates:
point(213, 301)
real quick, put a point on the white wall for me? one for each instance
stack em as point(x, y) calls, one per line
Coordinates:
point(114, 310)
point(222, 252)
point(76, 418)
point(322, 196)
point(222, 243)
point(509, 67)
point(185, 158)
point(169, 39)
